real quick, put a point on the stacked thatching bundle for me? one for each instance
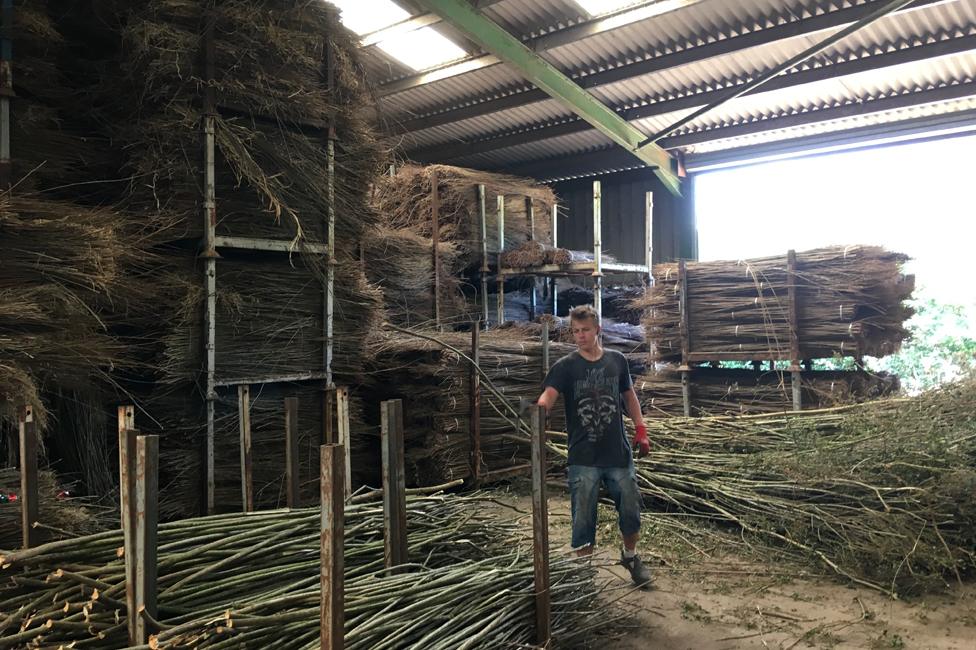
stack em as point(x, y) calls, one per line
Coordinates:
point(722, 391)
point(849, 302)
point(432, 379)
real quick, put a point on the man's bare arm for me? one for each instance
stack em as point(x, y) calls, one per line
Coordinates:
point(548, 398)
point(632, 406)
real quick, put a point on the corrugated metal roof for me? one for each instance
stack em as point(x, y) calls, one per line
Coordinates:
point(707, 21)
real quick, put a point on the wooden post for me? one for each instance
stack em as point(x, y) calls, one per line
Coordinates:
point(247, 477)
point(394, 490)
point(545, 349)
point(29, 497)
point(435, 236)
point(540, 528)
point(500, 212)
point(553, 284)
point(146, 524)
point(794, 316)
point(332, 612)
point(685, 331)
point(474, 383)
point(483, 215)
point(292, 483)
point(597, 250)
point(342, 422)
point(127, 497)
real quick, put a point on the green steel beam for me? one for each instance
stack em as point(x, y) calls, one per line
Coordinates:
point(506, 47)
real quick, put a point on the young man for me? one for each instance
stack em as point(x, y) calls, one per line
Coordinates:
point(596, 386)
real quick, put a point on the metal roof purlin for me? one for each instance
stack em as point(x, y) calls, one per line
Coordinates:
point(880, 12)
point(506, 47)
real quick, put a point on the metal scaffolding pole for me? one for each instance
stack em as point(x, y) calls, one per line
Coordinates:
point(484, 253)
point(6, 89)
point(597, 251)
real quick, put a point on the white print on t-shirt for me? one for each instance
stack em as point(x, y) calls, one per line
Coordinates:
point(597, 400)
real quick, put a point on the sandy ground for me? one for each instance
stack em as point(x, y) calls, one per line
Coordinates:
point(711, 593)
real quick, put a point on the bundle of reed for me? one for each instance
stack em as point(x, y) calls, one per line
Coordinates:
point(430, 372)
point(60, 515)
point(405, 201)
point(531, 253)
point(879, 493)
point(400, 262)
point(724, 391)
point(849, 303)
point(264, 561)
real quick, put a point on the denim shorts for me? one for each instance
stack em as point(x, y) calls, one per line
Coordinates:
point(584, 490)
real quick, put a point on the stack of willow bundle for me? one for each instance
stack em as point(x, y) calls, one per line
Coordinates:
point(849, 302)
point(250, 581)
point(880, 492)
point(405, 200)
point(140, 64)
point(401, 263)
point(726, 391)
point(430, 373)
point(60, 515)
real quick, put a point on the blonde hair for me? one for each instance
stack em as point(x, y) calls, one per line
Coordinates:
point(585, 312)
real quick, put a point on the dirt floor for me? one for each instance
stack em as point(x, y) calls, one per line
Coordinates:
point(713, 592)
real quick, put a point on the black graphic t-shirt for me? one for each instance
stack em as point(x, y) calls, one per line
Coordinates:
point(593, 392)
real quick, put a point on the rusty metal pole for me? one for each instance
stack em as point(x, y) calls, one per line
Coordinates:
point(685, 331)
point(342, 421)
point(29, 497)
point(500, 302)
point(540, 528)
point(474, 382)
point(209, 253)
point(127, 490)
point(292, 482)
point(247, 476)
point(6, 90)
point(146, 528)
point(483, 217)
point(394, 490)
point(794, 316)
point(435, 237)
point(332, 611)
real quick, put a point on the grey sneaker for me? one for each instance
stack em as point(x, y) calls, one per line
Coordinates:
point(638, 572)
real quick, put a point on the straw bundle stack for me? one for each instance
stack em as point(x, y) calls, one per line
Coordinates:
point(849, 304)
point(432, 379)
point(720, 391)
point(405, 200)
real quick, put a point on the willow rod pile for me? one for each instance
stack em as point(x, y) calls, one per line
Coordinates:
point(59, 514)
point(721, 391)
point(879, 493)
point(260, 573)
point(849, 304)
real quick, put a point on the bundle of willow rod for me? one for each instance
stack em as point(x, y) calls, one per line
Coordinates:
point(488, 603)
point(400, 262)
point(60, 515)
point(236, 565)
point(721, 391)
point(849, 302)
point(405, 200)
point(879, 493)
point(433, 380)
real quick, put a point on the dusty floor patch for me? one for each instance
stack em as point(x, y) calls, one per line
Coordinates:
point(713, 594)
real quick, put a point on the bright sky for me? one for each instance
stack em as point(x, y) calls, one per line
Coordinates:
point(918, 199)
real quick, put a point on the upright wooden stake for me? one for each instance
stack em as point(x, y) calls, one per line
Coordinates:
point(545, 348)
point(342, 421)
point(146, 525)
point(292, 483)
point(474, 382)
point(332, 610)
point(540, 528)
point(244, 417)
point(127, 497)
point(394, 490)
point(29, 497)
point(794, 317)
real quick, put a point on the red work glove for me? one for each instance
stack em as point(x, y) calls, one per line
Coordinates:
point(641, 443)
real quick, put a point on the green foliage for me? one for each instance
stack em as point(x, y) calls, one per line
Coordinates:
point(942, 347)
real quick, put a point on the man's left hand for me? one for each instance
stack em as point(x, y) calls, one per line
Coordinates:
point(641, 442)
